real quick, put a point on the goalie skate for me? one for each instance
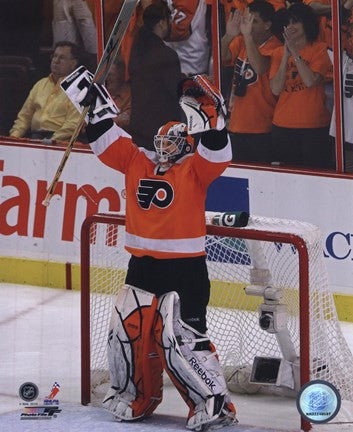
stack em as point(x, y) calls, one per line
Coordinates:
point(203, 420)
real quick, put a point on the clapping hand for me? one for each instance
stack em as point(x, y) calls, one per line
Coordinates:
point(246, 22)
point(233, 24)
point(290, 43)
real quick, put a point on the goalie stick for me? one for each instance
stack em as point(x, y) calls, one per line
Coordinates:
point(100, 76)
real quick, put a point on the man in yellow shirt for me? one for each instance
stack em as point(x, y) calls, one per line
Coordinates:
point(47, 112)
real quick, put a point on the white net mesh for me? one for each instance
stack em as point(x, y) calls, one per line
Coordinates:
point(233, 318)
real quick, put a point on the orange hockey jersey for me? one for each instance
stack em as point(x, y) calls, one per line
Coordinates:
point(165, 214)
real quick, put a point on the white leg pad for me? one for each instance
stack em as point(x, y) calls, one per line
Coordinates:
point(135, 369)
point(192, 366)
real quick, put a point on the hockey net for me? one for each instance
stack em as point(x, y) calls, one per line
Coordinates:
point(288, 253)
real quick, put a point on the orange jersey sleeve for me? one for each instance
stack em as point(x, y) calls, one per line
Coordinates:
point(209, 164)
point(115, 149)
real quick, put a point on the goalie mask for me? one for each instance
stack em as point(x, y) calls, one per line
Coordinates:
point(172, 142)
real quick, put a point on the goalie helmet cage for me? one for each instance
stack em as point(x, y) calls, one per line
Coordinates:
point(292, 252)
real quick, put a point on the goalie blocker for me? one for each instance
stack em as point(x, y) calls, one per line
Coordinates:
point(142, 339)
point(76, 86)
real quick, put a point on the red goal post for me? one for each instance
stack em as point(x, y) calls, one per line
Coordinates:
point(291, 250)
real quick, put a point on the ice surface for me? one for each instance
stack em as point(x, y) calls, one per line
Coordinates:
point(39, 342)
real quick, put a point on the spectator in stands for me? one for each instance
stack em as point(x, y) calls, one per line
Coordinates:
point(252, 103)
point(73, 21)
point(301, 119)
point(154, 75)
point(322, 8)
point(47, 112)
point(240, 5)
point(188, 36)
point(228, 7)
point(120, 91)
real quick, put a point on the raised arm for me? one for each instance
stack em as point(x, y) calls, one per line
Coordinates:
point(204, 107)
point(110, 143)
point(258, 62)
point(232, 30)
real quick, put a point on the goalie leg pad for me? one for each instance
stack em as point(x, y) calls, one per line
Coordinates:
point(135, 367)
point(192, 364)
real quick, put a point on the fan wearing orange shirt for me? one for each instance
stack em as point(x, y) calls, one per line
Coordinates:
point(252, 102)
point(301, 119)
point(159, 319)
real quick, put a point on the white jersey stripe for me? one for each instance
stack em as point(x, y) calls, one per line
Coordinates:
point(186, 245)
point(105, 140)
point(223, 155)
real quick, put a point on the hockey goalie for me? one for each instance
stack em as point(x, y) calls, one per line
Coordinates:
point(159, 319)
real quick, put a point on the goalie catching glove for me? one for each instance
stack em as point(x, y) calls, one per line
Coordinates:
point(202, 103)
point(81, 92)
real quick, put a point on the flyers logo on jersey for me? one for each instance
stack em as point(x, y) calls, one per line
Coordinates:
point(156, 192)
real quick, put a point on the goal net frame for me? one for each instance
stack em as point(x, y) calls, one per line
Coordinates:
point(254, 231)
